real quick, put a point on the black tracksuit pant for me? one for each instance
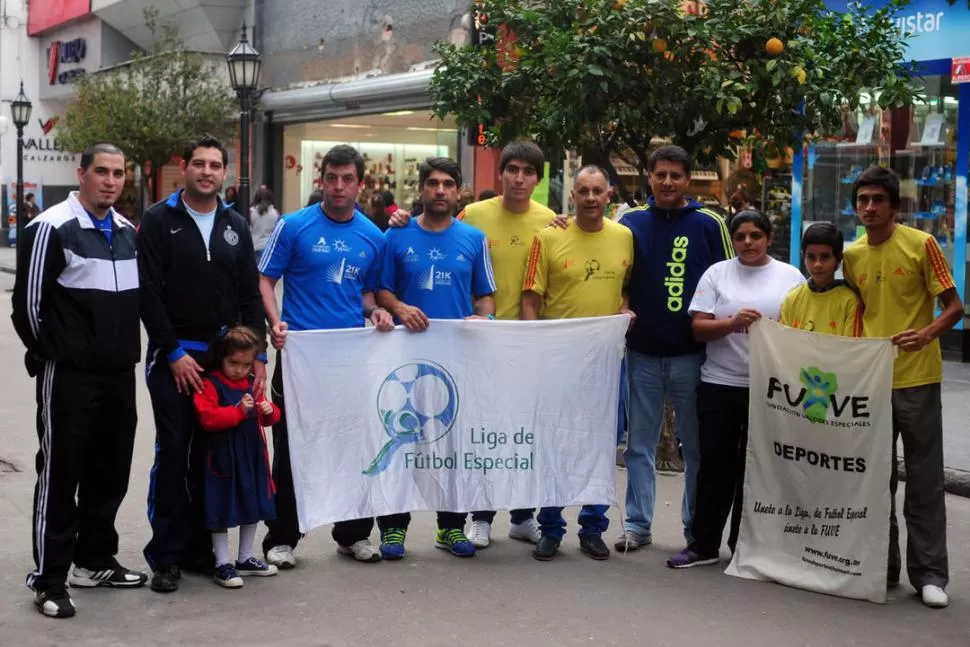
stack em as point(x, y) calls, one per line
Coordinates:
point(285, 529)
point(175, 504)
point(86, 427)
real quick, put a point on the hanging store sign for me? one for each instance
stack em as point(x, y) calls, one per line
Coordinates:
point(960, 70)
point(65, 53)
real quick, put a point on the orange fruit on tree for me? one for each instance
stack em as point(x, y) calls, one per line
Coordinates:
point(774, 47)
point(659, 45)
point(669, 55)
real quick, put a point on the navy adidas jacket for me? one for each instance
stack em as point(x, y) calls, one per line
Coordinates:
point(672, 249)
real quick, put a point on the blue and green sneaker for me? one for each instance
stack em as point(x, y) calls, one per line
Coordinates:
point(392, 543)
point(454, 540)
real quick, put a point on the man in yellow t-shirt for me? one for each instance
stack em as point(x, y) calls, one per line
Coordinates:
point(579, 271)
point(824, 305)
point(510, 221)
point(900, 272)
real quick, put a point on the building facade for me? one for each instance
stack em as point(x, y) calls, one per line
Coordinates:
point(356, 72)
point(49, 44)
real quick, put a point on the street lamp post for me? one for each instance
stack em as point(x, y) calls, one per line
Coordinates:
point(20, 111)
point(245, 64)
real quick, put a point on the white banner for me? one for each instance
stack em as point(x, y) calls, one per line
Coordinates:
point(470, 415)
point(816, 483)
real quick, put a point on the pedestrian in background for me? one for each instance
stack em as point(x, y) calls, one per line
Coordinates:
point(230, 197)
point(730, 296)
point(80, 327)
point(262, 219)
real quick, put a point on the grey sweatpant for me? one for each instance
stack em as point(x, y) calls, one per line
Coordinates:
point(918, 418)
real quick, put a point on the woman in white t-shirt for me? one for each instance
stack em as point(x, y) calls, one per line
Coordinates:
point(262, 220)
point(730, 296)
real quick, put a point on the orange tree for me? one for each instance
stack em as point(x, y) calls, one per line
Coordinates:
point(608, 76)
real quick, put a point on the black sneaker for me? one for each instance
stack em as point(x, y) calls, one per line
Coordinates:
point(546, 549)
point(111, 574)
point(55, 603)
point(594, 546)
point(166, 579)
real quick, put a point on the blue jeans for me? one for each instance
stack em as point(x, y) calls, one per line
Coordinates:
point(621, 414)
point(651, 379)
point(592, 521)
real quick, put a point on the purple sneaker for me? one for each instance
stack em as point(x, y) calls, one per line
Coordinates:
point(687, 558)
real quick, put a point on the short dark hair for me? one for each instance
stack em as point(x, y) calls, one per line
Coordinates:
point(670, 153)
point(387, 198)
point(443, 164)
point(878, 176)
point(824, 233)
point(107, 148)
point(487, 194)
point(205, 141)
point(756, 218)
point(526, 151)
point(342, 155)
point(591, 168)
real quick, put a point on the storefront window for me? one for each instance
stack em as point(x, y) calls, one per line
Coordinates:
point(927, 166)
point(393, 145)
point(833, 164)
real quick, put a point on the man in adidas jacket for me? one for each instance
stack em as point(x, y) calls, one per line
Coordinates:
point(675, 240)
point(198, 274)
point(75, 307)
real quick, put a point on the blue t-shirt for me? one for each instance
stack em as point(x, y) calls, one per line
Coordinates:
point(438, 272)
point(326, 267)
point(102, 224)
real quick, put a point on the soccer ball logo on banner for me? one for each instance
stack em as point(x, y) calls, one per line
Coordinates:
point(417, 404)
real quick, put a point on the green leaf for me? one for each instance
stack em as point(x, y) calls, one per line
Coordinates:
point(595, 70)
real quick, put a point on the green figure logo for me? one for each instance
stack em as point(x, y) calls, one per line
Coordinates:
point(820, 386)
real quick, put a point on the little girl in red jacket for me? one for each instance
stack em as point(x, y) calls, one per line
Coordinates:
point(238, 489)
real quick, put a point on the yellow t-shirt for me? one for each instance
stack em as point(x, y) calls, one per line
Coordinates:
point(899, 281)
point(578, 273)
point(509, 237)
point(834, 312)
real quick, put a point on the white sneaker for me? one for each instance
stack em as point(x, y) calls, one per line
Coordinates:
point(528, 531)
point(362, 551)
point(281, 557)
point(480, 534)
point(935, 597)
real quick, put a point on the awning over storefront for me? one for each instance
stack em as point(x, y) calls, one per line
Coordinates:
point(372, 95)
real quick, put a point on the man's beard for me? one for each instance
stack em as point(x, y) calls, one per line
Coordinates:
point(442, 213)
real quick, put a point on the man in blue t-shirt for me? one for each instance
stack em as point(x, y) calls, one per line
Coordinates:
point(329, 257)
point(675, 240)
point(435, 268)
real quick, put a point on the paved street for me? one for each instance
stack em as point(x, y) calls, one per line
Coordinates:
point(431, 598)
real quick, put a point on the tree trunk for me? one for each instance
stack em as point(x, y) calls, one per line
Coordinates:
point(668, 453)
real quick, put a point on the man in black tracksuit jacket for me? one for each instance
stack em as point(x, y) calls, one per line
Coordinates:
point(75, 307)
point(198, 274)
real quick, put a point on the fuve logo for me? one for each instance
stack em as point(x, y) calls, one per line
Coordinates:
point(676, 268)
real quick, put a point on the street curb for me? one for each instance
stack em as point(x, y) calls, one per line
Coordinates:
point(955, 482)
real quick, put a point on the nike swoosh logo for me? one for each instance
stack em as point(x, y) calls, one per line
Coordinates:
point(175, 231)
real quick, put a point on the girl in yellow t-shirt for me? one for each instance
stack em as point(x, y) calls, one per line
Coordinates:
point(825, 304)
